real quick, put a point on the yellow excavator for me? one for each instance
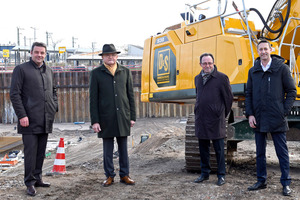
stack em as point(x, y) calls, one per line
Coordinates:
point(171, 60)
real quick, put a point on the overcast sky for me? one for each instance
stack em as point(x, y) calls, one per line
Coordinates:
point(113, 21)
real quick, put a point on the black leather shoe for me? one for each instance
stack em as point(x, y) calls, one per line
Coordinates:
point(258, 186)
point(31, 190)
point(201, 179)
point(221, 181)
point(286, 191)
point(41, 184)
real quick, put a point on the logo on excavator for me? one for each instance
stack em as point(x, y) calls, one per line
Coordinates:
point(164, 67)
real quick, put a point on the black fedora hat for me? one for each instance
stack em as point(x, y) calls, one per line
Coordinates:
point(109, 48)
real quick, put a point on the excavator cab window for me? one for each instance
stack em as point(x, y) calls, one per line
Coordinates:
point(187, 16)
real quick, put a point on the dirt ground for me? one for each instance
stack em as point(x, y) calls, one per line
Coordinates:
point(157, 165)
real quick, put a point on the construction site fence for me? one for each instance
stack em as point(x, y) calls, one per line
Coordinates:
point(73, 99)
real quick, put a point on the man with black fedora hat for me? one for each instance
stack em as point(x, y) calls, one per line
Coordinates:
point(109, 48)
point(112, 110)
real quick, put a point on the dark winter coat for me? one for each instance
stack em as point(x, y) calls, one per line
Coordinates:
point(33, 94)
point(270, 95)
point(112, 101)
point(213, 104)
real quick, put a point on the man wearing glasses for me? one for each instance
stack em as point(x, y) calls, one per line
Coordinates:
point(213, 103)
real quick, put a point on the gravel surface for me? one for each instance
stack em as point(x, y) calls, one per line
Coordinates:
point(157, 166)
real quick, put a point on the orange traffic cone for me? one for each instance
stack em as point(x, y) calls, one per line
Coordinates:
point(59, 166)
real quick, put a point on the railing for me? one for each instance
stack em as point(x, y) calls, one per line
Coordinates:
point(293, 65)
point(222, 16)
point(192, 8)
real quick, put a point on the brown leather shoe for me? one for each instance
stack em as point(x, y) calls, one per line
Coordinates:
point(127, 180)
point(31, 190)
point(109, 181)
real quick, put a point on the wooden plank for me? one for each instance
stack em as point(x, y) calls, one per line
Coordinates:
point(7, 143)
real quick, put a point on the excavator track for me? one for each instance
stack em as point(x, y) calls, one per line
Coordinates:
point(192, 154)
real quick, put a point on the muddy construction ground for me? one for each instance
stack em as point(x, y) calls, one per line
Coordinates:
point(157, 165)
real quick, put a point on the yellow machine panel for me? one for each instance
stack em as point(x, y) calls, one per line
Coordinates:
point(171, 59)
point(200, 47)
point(233, 58)
point(146, 71)
point(207, 28)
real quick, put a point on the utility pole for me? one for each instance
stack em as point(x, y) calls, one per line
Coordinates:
point(25, 52)
point(30, 43)
point(34, 33)
point(18, 34)
point(48, 35)
point(93, 48)
point(73, 41)
point(18, 57)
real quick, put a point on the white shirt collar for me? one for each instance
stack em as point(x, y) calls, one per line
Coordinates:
point(267, 66)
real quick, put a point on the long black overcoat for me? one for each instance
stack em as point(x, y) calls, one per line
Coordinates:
point(33, 94)
point(213, 104)
point(270, 95)
point(112, 101)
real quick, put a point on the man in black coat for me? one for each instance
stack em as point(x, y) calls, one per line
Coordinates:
point(269, 98)
point(33, 96)
point(213, 103)
point(112, 110)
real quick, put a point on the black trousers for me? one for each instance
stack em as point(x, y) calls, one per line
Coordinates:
point(204, 146)
point(108, 148)
point(282, 153)
point(34, 154)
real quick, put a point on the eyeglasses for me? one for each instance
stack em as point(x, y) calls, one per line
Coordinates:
point(207, 63)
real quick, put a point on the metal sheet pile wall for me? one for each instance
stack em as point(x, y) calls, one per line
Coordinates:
point(73, 95)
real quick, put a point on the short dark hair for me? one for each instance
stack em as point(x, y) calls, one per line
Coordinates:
point(264, 41)
point(38, 44)
point(207, 54)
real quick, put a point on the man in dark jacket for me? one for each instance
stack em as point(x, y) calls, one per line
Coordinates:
point(33, 96)
point(112, 111)
point(269, 98)
point(213, 103)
